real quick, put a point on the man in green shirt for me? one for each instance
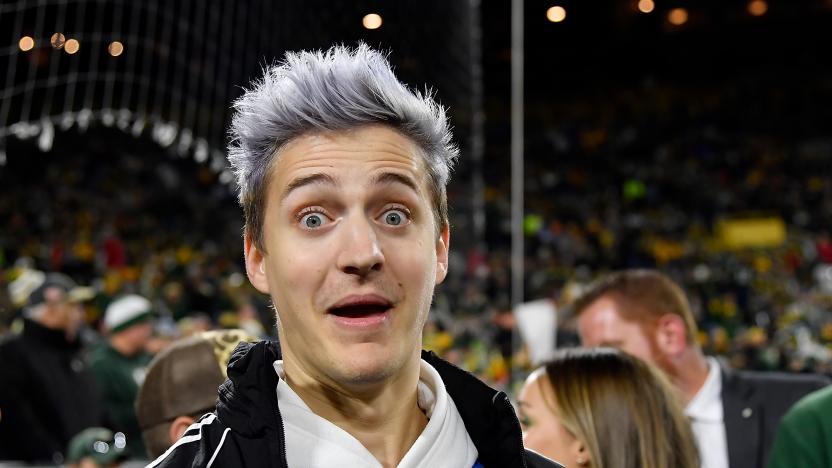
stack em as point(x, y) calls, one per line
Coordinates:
point(120, 362)
point(804, 438)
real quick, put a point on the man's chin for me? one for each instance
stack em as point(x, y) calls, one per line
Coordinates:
point(369, 367)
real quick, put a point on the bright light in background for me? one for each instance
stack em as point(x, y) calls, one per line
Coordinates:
point(115, 48)
point(72, 46)
point(757, 7)
point(58, 40)
point(678, 16)
point(26, 43)
point(556, 14)
point(646, 6)
point(371, 21)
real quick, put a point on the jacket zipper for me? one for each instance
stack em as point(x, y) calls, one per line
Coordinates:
point(281, 437)
point(281, 434)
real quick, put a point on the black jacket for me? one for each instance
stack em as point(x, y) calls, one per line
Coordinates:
point(247, 429)
point(753, 404)
point(47, 394)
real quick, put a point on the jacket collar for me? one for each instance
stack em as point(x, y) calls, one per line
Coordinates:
point(488, 415)
point(742, 416)
point(248, 403)
point(245, 399)
point(34, 331)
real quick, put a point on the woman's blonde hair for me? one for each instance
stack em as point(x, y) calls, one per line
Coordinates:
point(624, 412)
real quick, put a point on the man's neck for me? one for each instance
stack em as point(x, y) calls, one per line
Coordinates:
point(54, 321)
point(384, 417)
point(689, 373)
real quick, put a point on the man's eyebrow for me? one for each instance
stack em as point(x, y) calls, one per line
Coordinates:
point(312, 179)
point(395, 178)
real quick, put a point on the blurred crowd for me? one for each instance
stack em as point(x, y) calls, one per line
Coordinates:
point(642, 179)
point(647, 181)
point(129, 221)
point(658, 177)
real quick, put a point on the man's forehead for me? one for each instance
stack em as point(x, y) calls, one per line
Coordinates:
point(603, 309)
point(383, 153)
point(604, 317)
point(371, 138)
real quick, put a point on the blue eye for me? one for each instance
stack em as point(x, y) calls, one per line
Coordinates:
point(394, 217)
point(313, 220)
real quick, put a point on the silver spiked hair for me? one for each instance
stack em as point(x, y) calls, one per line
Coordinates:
point(340, 89)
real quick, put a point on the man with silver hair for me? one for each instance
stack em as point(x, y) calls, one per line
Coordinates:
point(342, 172)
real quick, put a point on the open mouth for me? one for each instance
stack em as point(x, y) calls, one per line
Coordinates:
point(361, 311)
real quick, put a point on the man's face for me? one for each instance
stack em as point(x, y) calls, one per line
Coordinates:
point(138, 335)
point(601, 324)
point(62, 314)
point(353, 254)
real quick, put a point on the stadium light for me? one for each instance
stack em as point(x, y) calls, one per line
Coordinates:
point(757, 7)
point(556, 14)
point(26, 43)
point(646, 6)
point(371, 21)
point(58, 40)
point(115, 48)
point(678, 16)
point(72, 46)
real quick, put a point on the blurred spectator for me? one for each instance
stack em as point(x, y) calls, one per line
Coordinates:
point(181, 385)
point(604, 408)
point(119, 363)
point(734, 414)
point(47, 394)
point(97, 447)
point(804, 438)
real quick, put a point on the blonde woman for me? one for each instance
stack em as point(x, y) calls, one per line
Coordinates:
point(603, 408)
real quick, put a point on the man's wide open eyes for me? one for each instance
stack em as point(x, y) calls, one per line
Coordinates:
point(313, 220)
point(394, 217)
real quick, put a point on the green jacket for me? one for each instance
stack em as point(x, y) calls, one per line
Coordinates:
point(119, 378)
point(804, 438)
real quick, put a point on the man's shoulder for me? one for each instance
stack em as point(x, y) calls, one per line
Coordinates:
point(13, 348)
point(107, 363)
point(782, 379)
point(199, 445)
point(100, 352)
point(777, 390)
point(11, 342)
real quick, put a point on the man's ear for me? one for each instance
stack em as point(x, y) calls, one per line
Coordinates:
point(671, 334)
point(442, 244)
point(255, 265)
point(178, 427)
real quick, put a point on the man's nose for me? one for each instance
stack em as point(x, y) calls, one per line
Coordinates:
point(361, 251)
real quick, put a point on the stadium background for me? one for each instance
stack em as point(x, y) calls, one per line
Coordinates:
point(701, 147)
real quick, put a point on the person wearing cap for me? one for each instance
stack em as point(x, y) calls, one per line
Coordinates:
point(97, 447)
point(181, 385)
point(342, 172)
point(120, 362)
point(47, 392)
